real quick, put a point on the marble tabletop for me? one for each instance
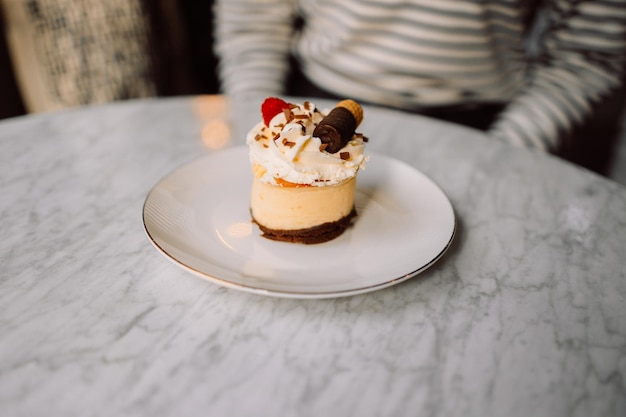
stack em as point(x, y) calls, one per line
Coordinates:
point(525, 315)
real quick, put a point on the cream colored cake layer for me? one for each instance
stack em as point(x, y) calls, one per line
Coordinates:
point(293, 208)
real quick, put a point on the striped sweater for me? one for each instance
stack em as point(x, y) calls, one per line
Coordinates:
point(429, 53)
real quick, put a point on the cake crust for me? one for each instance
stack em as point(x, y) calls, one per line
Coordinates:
point(312, 235)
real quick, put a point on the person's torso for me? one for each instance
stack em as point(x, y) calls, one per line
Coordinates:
point(414, 53)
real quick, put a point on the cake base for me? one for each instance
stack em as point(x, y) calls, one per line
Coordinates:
point(311, 235)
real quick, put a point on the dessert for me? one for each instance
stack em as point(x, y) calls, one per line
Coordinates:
point(305, 162)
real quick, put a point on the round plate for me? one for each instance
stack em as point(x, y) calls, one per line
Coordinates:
point(198, 216)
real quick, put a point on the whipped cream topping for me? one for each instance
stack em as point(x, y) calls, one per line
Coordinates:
point(287, 151)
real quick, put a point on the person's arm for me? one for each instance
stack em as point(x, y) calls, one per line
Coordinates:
point(582, 63)
point(252, 42)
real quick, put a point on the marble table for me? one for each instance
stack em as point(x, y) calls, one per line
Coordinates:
point(525, 315)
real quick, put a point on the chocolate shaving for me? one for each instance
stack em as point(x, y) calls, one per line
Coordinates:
point(276, 136)
point(288, 115)
point(258, 137)
point(344, 155)
point(288, 143)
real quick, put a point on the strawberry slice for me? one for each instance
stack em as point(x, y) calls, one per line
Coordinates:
point(271, 107)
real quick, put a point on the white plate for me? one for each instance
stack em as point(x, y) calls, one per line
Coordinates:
point(198, 216)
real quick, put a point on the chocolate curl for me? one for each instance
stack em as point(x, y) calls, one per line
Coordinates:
point(336, 129)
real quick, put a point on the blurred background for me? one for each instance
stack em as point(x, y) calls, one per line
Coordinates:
point(56, 54)
point(65, 53)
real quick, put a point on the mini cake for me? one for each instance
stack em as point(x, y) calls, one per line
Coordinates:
point(305, 162)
